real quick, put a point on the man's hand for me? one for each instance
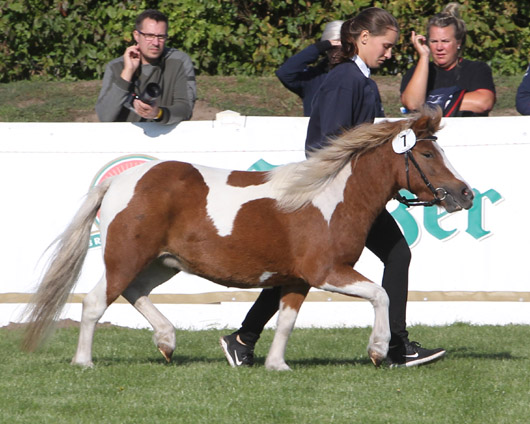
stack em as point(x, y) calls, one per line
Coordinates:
point(145, 110)
point(131, 62)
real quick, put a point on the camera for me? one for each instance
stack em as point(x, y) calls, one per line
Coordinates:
point(151, 93)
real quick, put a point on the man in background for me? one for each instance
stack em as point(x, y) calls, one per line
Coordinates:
point(150, 82)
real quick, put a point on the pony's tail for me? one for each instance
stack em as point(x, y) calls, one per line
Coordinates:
point(63, 271)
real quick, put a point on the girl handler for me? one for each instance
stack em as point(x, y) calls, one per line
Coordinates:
point(348, 97)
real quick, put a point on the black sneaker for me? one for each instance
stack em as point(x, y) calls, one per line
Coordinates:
point(411, 354)
point(236, 353)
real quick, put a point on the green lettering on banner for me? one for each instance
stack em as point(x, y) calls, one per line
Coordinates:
point(95, 240)
point(433, 214)
point(261, 165)
point(431, 218)
point(476, 213)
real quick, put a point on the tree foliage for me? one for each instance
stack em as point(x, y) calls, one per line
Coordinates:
point(75, 39)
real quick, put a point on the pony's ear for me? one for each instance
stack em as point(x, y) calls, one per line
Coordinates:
point(428, 122)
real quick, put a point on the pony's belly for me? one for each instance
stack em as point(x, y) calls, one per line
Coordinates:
point(239, 276)
point(206, 269)
point(253, 280)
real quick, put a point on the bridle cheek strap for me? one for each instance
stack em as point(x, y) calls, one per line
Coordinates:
point(439, 193)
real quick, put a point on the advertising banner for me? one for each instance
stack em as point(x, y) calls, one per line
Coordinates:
point(466, 267)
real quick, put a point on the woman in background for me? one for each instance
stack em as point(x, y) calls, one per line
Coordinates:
point(459, 86)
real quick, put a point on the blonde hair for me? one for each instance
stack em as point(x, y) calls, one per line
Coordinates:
point(450, 15)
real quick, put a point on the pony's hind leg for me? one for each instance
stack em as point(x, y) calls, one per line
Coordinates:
point(376, 295)
point(96, 303)
point(291, 301)
point(164, 332)
point(94, 306)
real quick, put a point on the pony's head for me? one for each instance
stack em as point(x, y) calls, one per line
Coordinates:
point(297, 184)
point(426, 170)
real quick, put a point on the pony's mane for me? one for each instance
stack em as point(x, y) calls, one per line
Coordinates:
point(298, 183)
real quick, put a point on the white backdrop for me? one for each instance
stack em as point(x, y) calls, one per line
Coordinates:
point(468, 266)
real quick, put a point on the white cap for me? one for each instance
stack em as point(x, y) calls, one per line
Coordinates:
point(332, 31)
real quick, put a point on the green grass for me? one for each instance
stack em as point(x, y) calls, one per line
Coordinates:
point(263, 96)
point(45, 101)
point(68, 101)
point(483, 379)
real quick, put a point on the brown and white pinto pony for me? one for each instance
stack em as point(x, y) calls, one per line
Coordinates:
point(299, 226)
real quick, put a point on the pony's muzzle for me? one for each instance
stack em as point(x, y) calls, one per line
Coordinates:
point(466, 197)
point(458, 199)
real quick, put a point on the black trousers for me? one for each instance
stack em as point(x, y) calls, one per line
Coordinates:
point(387, 242)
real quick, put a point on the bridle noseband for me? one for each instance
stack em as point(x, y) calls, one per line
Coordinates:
point(439, 193)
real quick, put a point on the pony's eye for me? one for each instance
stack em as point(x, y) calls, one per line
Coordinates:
point(427, 155)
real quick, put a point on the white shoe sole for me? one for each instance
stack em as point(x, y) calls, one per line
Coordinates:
point(224, 346)
point(426, 360)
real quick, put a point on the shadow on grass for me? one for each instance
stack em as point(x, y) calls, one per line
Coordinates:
point(183, 360)
point(470, 353)
point(177, 360)
point(318, 362)
point(153, 357)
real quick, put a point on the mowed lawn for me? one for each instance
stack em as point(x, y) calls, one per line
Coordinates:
point(485, 378)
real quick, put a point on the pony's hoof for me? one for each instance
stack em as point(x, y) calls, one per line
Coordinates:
point(377, 358)
point(88, 364)
point(166, 351)
point(280, 366)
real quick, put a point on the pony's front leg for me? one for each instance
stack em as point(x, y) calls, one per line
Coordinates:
point(94, 306)
point(291, 301)
point(349, 282)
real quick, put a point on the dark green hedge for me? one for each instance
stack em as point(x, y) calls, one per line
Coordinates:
point(75, 39)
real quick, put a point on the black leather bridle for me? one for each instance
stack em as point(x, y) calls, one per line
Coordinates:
point(439, 193)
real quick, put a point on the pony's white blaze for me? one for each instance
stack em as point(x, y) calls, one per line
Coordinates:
point(447, 163)
point(224, 201)
point(328, 199)
point(120, 194)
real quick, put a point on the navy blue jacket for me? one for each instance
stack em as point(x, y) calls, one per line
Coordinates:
point(522, 99)
point(345, 99)
point(300, 78)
